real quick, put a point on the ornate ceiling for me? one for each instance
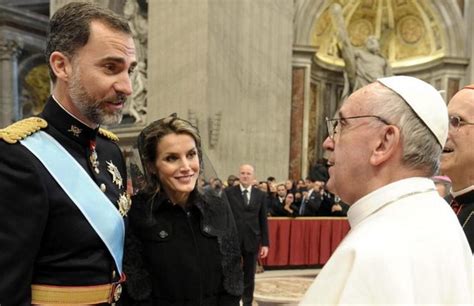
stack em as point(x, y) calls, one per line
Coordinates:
point(409, 31)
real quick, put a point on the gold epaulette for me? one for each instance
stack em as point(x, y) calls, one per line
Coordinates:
point(22, 129)
point(108, 134)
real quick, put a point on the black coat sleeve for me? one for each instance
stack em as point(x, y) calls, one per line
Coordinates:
point(230, 250)
point(138, 285)
point(263, 221)
point(23, 217)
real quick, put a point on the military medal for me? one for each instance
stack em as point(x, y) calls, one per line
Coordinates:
point(75, 130)
point(163, 234)
point(93, 157)
point(124, 203)
point(116, 176)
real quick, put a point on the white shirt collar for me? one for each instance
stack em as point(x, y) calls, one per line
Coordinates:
point(462, 191)
point(242, 188)
point(372, 202)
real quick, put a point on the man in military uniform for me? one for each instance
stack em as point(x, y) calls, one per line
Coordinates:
point(62, 177)
point(457, 160)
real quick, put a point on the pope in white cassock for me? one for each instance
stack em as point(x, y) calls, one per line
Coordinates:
point(406, 245)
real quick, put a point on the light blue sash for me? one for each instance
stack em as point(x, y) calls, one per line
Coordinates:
point(82, 190)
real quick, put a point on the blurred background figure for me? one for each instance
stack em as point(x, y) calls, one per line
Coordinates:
point(443, 185)
point(215, 186)
point(289, 207)
point(231, 179)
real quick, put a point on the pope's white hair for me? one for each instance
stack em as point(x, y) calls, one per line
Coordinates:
point(421, 150)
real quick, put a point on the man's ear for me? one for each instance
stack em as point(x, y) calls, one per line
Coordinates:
point(387, 146)
point(61, 65)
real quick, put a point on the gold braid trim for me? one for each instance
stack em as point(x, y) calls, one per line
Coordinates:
point(22, 129)
point(108, 134)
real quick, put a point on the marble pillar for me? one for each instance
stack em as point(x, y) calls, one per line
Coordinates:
point(300, 112)
point(226, 66)
point(468, 12)
point(9, 98)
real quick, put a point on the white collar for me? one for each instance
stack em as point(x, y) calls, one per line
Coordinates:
point(462, 191)
point(242, 188)
point(372, 202)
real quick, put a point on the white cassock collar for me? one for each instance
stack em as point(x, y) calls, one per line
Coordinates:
point(388, 194)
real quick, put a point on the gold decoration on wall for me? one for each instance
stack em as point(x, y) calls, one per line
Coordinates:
point(359, 30)
point(37, 84)
point(409, 31)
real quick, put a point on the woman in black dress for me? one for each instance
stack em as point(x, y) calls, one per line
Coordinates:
point(182, 246)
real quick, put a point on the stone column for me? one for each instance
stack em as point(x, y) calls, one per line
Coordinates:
point(300, 110)
point(469, 21)
point(226, 66)
point(9, 101)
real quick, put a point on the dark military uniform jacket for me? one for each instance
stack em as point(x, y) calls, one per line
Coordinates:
point(44, 238)
point(466, 215)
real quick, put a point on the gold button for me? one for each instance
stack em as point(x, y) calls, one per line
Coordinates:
point(114, 274)
point(102, 187)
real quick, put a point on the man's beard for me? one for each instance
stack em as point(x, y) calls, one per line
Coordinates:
point(94, 110)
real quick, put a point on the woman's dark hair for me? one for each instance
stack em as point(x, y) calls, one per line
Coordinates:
point(148, 145)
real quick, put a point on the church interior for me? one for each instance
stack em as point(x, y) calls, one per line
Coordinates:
point(257, 77)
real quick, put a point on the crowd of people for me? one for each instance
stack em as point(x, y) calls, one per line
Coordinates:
point(291, 198)
point(70, 234)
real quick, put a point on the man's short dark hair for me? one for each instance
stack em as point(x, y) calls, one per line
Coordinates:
point(69, 28)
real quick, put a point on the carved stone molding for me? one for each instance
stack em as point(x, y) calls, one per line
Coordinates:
point(193, 118)
point(137, 20)
point(214, 129)
point(9, 49)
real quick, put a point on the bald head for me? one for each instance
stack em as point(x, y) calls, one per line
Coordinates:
point(246, 175)
point(457, 160)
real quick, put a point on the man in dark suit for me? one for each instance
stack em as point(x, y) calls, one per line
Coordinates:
point(312, 201)
point(249, 209)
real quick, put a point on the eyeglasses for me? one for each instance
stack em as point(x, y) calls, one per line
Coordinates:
point(456, 122)
point(332, 124)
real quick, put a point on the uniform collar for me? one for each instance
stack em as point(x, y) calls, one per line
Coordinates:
point(68, 125)
point(461, 192)
point(386, 195)
point(464, 196)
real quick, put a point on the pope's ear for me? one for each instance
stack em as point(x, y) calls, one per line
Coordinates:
point(387, 146)
point(60, 65)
